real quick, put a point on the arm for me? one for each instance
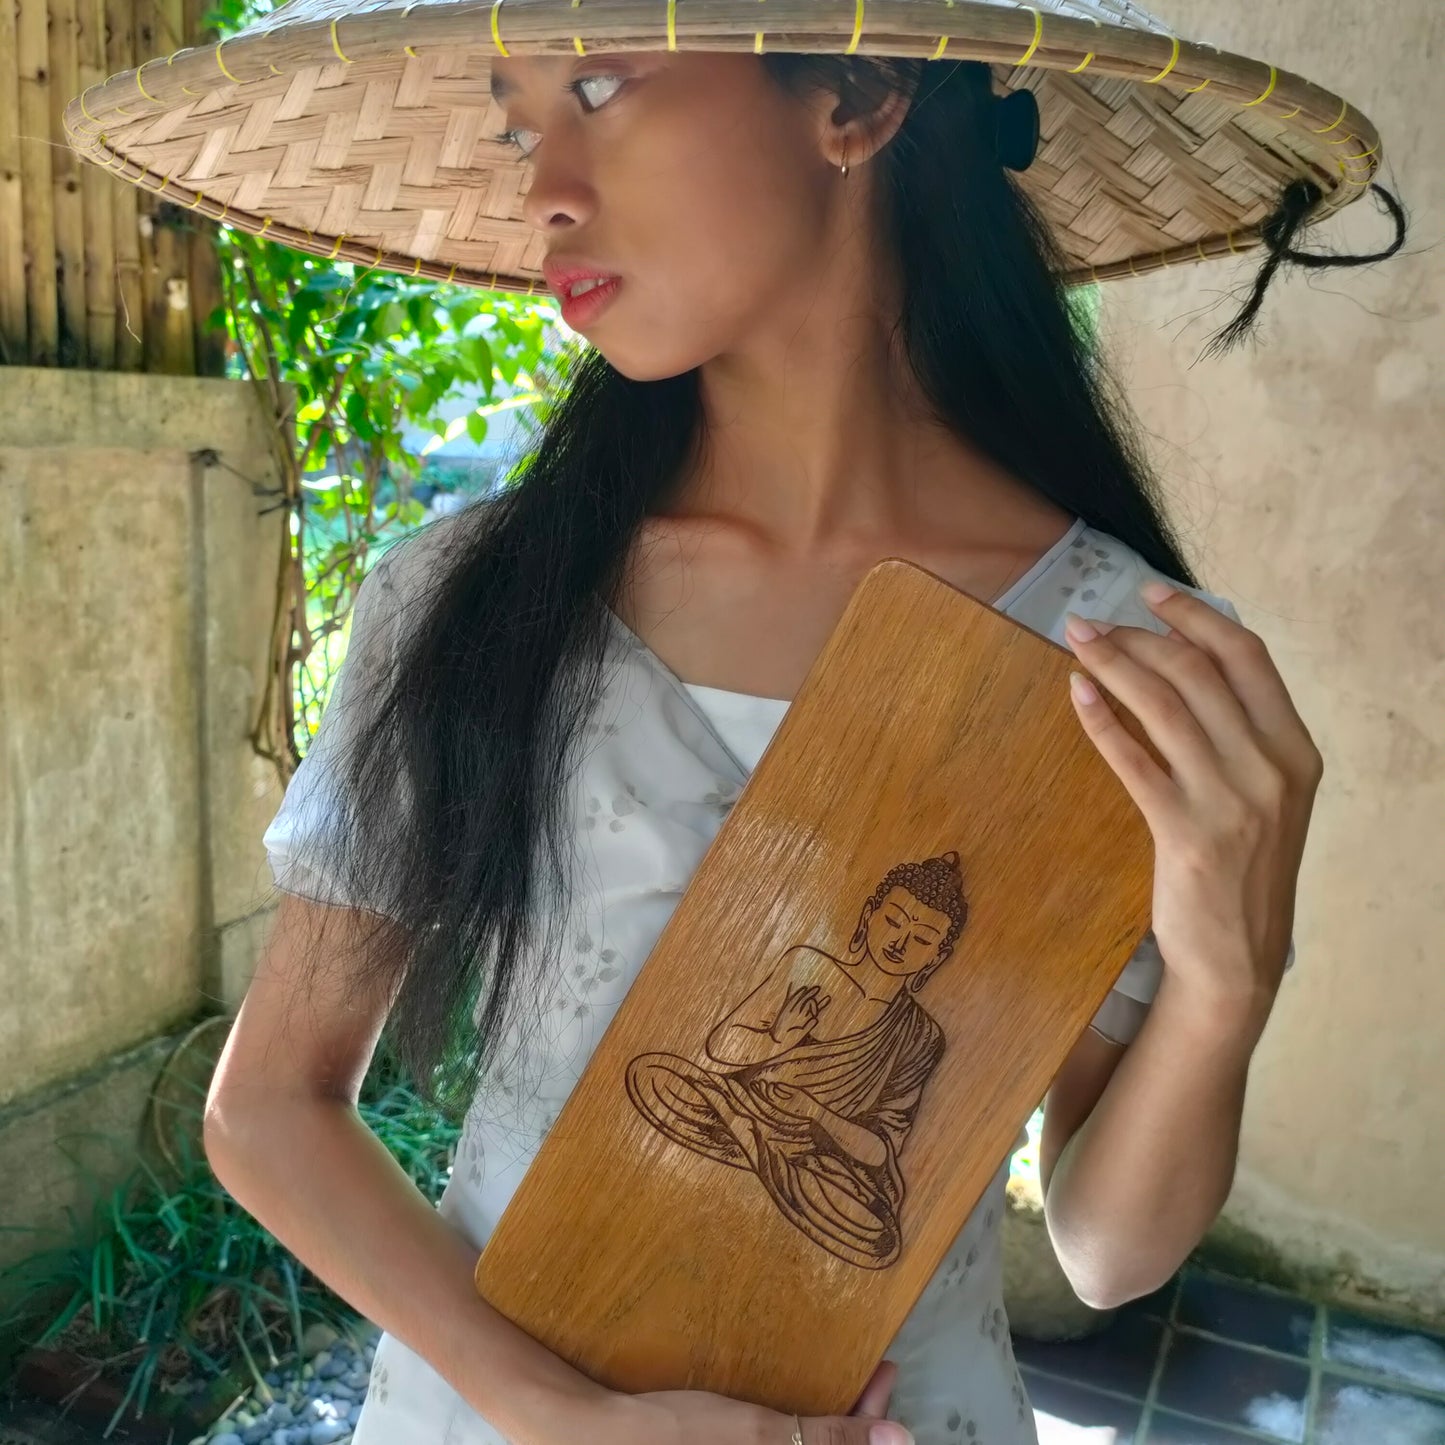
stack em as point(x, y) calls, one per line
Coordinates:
point(1139, 1145)
point(284, 1137)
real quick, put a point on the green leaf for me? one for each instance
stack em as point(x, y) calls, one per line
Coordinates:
point(478, 356)
point(477, 427)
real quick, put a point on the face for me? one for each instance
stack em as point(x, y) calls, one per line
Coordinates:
point(694, 177)
point(904, 935)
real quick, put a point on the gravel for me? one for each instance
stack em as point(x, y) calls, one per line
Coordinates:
point(316, 1405)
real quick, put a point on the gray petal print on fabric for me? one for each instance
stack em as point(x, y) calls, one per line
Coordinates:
point(722, 797)
point(376, 1387)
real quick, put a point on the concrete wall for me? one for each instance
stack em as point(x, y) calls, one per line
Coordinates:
point(136, 594)
point(1308, 472)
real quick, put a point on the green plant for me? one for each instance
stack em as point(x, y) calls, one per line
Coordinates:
point(350, 362)
point(169, 1283)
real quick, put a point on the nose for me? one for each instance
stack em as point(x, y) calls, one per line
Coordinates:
point(560, 195)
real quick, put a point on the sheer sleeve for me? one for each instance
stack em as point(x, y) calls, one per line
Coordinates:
point(304, 838)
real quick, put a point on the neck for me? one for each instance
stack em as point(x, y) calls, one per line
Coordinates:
point(819, 442)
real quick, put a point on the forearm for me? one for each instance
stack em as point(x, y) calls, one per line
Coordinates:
point(1148, 1171)
point(314, 1175)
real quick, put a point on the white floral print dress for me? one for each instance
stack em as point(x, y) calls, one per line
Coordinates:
point(665, 761)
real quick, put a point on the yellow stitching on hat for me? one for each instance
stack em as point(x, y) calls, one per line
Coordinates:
point(165, 181)
point(83, 110)
point(1195, 89)
point(1173, 61)
point(416, 270)
point(451, 275)
point(1344, 140)
point(225, 208)
point(672, 24)
point(336, 44)
point(274, 71)
point(1028, 54)
point(1098, 25)
point(377, 262)
point(857, 28)
point(265, 226)
point(332, 255)
point(1273, 81)
point(576, 42)
point(1290, 114)
point(496, 32)
point(1344, 106)
point(200, 196)
point(942, 46)
point(186, 89)
point(1199, 247)
point(1362, 154)
point(222, 63)
point(1229, 237)
point(410, 51)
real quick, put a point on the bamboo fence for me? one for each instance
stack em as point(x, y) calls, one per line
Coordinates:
point(94, 273)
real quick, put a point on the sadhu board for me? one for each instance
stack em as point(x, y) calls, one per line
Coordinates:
point(919, 900)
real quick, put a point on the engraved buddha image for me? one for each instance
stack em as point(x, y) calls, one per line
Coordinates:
point(813, 1080)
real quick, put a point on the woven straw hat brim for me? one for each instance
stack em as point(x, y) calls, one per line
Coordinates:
point(362, 131)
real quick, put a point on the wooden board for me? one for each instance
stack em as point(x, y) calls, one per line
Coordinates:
point(935, 849)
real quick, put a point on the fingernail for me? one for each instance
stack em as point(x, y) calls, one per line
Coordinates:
point(886, 1433)
point(1077, 628)
point(1156, 592)
point(1082, 688)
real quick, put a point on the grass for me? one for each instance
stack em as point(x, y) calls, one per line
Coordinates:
point(171, 1289)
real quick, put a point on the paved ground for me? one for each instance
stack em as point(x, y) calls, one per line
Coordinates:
point(1209, 1361)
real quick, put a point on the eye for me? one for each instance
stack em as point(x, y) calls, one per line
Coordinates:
point(513, 138)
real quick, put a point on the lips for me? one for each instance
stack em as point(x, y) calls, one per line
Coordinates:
point(562, 275)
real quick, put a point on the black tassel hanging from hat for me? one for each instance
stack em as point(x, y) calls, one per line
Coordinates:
point(1279, 232)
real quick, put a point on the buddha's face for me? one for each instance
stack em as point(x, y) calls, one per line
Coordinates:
point(905, 936)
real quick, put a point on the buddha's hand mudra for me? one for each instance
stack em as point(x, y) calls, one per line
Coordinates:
point(799, 1015)
point(1229, 815)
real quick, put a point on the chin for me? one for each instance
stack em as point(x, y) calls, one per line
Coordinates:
point(646, 363)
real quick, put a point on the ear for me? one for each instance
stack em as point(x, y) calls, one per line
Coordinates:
point(855, 135)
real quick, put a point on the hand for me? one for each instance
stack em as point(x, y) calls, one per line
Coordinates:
point(791, 1100)
point(665, 1417)
point(1230, 815)
point(799, 1014)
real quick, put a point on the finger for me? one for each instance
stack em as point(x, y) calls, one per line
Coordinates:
point(1151, 788)
point(1241, 656)
point(1194, 674)
point(873, 1401)
point(1172, 728)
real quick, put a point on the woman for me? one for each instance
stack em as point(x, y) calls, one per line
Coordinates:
point(831, 330)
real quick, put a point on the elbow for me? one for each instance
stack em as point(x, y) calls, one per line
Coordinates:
point(1104, 1278)
point(1104, 1294)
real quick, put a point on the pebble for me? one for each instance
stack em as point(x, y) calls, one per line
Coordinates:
point(318, 1404)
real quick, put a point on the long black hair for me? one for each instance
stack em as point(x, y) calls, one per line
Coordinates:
point(456, 776)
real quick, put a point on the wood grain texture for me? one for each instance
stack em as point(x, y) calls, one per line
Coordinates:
point(824, 1061)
